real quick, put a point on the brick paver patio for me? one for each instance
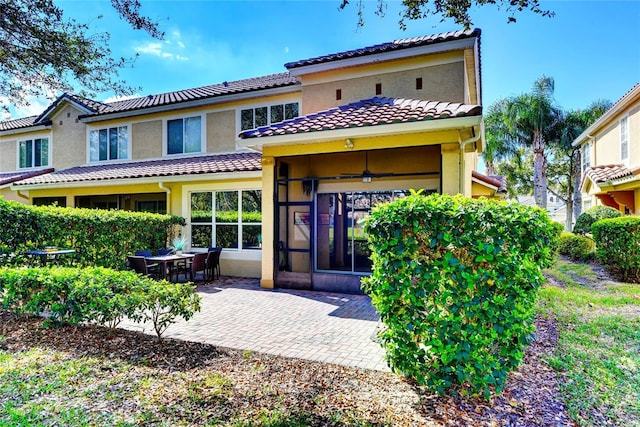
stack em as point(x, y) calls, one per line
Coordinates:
point(319, 326)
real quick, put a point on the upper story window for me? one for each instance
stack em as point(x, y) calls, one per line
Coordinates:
point(624, 139)
point(109, 144)
point(33, 153)
point(184, 135)
point(586, 156)
point(252, 118)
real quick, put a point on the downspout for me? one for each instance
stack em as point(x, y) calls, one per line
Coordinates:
point(461, 165)
point(168, 192)
point(19, 193)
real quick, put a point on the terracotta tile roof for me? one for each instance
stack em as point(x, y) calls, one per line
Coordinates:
point(96, 108)
point(606, 173)
point(204, 92)
point(11, 177)
point(603, 173)
point(495, 180)
point(386, 47)
point(205, 164)
point(368, 112)
point(18, 123)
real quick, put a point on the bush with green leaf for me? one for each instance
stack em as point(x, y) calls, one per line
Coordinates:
point(455, 282)
point(95, 294)
point(618, 246)
point(591, 215)
point(576, 246)
point(101, 238)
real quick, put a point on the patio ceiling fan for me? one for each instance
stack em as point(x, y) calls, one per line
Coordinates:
point(366, 174)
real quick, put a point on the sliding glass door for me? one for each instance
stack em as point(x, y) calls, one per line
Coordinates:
point(341, 243)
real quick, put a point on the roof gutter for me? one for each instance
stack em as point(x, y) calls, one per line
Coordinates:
point(383, 56)
point(221, 176)
point(361, 132)
point(291, 88)
point(618, 107)
point(36, 128)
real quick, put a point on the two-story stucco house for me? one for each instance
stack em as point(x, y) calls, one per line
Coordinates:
point(277, 169)
point(610, 152)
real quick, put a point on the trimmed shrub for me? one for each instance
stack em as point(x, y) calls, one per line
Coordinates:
point(100, 237)
point(618, 246)
point(95, 294)
point(576, 246)
point(591, 215)
point(455, 282)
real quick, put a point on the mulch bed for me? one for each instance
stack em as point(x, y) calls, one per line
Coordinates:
point(312, 390)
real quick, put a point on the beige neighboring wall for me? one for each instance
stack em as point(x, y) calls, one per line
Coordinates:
point(439, 82)
point(69, 138)
point(8, 155)
point(221, 131)
point(146, 140)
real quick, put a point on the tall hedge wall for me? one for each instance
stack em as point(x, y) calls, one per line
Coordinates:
point(101, 238)
point(455, 282)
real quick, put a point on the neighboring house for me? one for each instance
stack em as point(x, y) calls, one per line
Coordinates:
point(276, 169)
point(610, 153)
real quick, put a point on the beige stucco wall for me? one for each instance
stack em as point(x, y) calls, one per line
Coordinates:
point(221, 131)
point(69, 138)
point(146, 140)
point(606, 148)
point(441, 82)
point(8, 154)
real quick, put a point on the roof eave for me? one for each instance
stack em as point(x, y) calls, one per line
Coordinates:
point(439, 47)
point(37, 128)
point(362, 132)
point(219, 176)
point(632, 96)
point(213, 100)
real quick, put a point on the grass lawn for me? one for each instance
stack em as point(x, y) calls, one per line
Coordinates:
point(598, 352)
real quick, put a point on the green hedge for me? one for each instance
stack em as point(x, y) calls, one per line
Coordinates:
point(96, 295)
point(591, 215)
point(101, 238)
point(455, 282)
point(618, 246)
point(576, 246)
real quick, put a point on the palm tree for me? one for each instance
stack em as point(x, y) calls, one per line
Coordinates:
point(532, 120)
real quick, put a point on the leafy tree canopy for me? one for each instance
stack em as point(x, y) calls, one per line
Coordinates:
point(458, 10)
point(42, 52)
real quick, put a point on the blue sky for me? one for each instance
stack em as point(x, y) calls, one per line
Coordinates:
point(590, 48)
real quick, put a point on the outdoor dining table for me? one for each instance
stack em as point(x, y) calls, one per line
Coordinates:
point(50, 255)
point(164, 260)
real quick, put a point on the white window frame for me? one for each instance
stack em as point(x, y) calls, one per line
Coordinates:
point(239, 223)
point(268, 107)
point(33, 139)
point(585, 158)
point(624, 139)
point(98, 129)
point(165, 134)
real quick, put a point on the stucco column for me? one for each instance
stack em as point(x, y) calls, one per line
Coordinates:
point(450, 168)
point(268, 233)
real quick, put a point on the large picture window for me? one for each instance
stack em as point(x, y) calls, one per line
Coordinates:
point(252, 118)
point(184, 135)
point(229, 219)
point(109, 144)
point(33, 153)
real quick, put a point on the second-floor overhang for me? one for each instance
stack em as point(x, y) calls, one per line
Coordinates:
point(210, 167)
point(376, 117)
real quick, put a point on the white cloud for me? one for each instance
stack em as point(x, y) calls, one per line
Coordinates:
point(36, 106)
point(172, 48)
